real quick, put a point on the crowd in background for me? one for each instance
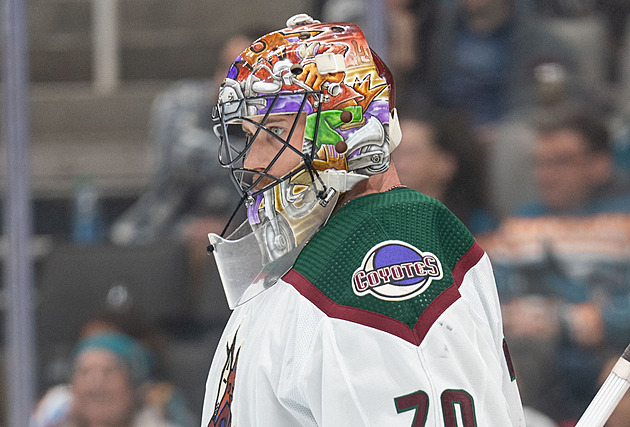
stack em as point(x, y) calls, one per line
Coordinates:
point(514, 115)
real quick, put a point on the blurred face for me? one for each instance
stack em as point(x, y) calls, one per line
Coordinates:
point(566, 171)
point(420, 164)
point(266, 146)
point(102, 391)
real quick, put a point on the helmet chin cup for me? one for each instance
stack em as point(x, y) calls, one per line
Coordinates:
point(280, 223)
point(284, 216)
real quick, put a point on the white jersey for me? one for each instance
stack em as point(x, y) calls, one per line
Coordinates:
point(308, 352)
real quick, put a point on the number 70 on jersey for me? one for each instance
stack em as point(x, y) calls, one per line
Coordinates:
point(458, 408)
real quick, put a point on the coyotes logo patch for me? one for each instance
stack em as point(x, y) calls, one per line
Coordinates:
point(395, 270)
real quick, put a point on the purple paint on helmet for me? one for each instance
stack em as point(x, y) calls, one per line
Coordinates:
point(395, 254)
point(380, 110)
point(354, 153)
point(233, 72)
point(252, 210)
point(286, 104)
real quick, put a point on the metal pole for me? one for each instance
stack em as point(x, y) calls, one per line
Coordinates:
point(105, 46)
point(17, 215)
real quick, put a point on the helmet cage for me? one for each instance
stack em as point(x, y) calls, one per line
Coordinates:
point(234, 145)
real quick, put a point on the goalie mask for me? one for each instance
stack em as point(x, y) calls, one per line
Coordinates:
point(304, 114)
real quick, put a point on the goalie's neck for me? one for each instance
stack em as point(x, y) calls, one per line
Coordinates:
point(374, 184)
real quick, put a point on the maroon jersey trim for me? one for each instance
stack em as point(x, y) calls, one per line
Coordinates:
point(381, 321)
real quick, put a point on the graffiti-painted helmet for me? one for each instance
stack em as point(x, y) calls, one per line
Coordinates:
point(334, 97)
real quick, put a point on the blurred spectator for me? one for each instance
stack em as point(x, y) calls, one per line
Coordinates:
point(190, 195)
point(509, 142)
point(583, 28)
point(574, 167)
point(187, 183)
point(440, 156)
point(129, 321)
point(110, 386)
point(403, 44)
point(483, 57)
point(563, 267)
point(409, 25)
point(125, 330)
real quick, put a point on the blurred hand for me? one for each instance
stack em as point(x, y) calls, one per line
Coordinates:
point(531, 317)
point(586, 325)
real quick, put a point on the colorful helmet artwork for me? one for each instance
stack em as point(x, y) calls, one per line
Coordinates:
point(328, 72)
point(323, 78)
